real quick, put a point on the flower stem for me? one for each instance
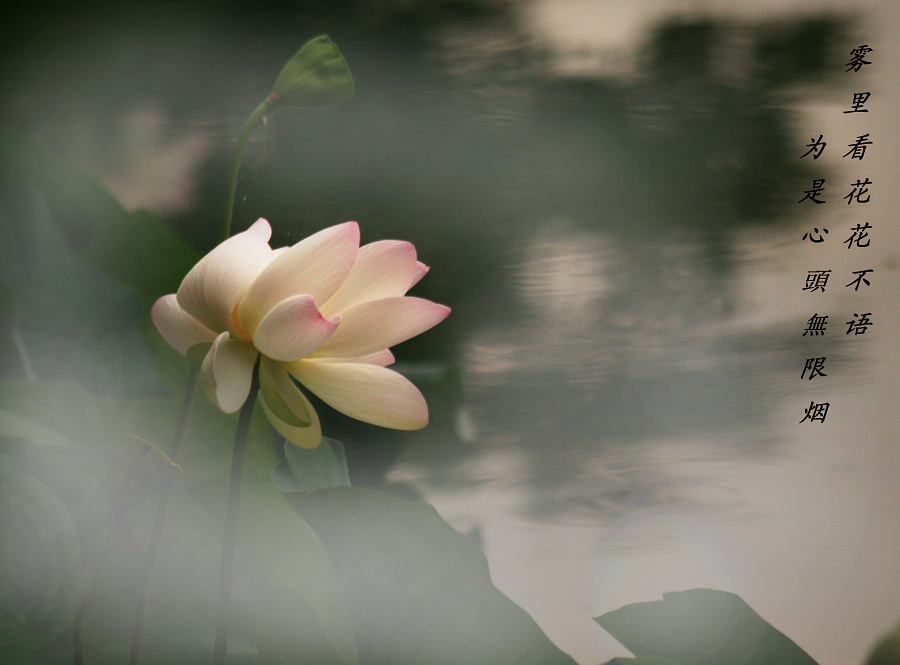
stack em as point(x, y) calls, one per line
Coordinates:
point(270, 102)
point(140, 621)
point(231, 515)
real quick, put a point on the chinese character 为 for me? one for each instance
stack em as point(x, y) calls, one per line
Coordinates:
point(859, 234)
point(816, 280)
point(857, 59)
point(816, 325)
point(816, 412)
point(810, 235)
point(859, 100)
point(859, 327)
point(816, 146)
point(817, 188)
point(858, 149)
point(859, 188)
point(862, 278)
point(815, 367)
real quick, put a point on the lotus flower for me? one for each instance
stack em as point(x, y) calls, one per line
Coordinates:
point(323, 312)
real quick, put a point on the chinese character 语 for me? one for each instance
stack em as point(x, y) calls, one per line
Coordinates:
point(816, 412)
point(858, 56)
point(810, 235)
point(859, 100)
point(815, 367)
point(861, 278)
point(859, 234)
point(816, 280)
point(859, 188)
point(816, 325)
point(817, 188)
point(816, 146)
point(858, 149)
point(859, 327)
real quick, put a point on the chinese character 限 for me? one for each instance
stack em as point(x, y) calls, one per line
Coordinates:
point(859, 234)
point(861, 278)
point(817, 188)
point(816, 146)
point(810, 235)
point(859, 327)
point(858, 56)
point(816, 280)
point(859, 100)
point(858, 149)
point(816, 325)
point(816, 412)
point(815, 367)
point(859, 188)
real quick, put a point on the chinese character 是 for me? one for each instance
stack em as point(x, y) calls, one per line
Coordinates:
point(859, 188)
point(815, 367)
point(810, 235)
point(816, 412)
point(817, 188)
point(861, 278)
point(816, 325)
point(859, 234)
point(816, 280)
point(816, 146)
point(859, 327)
point(858, 149)
point(859, 100)
point(858, 56)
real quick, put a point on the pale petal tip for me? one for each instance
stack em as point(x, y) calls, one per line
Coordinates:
point(261, 228)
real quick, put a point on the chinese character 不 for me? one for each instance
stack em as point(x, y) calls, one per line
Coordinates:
point(816, 146)
point(810, 235)
point(859, 100)
point(858, 58)
point(859, 327)
point(816, 280)
point(858, 149)
point(815, 367)
point(859, 234)
point(816, 325)
point(817, 189)
point(816, 412)
point(859, 188)
point(862, 278)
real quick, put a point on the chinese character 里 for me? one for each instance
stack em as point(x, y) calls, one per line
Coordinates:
point(859, 100)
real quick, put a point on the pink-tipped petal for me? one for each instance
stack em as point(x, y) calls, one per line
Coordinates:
point(373, 394)
point(227, 371)
point(178, 328)
point(380, 324)
point(421, 271)
point(213, 287)
point(383, 269)
point(293, 329)
point(315, 266)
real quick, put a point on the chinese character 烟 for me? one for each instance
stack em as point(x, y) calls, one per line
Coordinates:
point(816, 325)
point(817, 188)
point(859, 188)
point(816, 146)
point(859, 327)
point(859, 100)
point(861, 278)
point(858, 149)
point(816, 412)
point(810, 235)
point(858, 56)
point(859, 234)
point(815, 367)
point(816, 280)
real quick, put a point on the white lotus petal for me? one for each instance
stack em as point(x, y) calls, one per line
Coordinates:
point(213, 287)
point(383, 269)
point(314, 266)
point(178, 328)
point(381, 358)
point(369, 393)
point(227, 372)
point(283, 397)
point(380, 324)
point(303, 437)
point(293, 329)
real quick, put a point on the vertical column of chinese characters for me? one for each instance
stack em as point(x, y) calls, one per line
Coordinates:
point(817, 279)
